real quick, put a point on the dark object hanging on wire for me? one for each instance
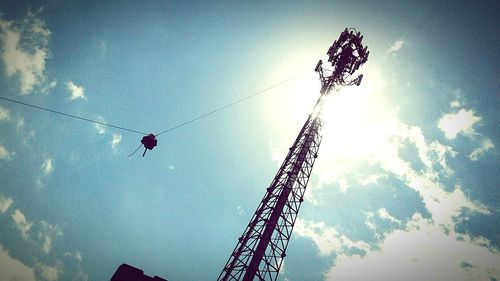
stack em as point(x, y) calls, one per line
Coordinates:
point(149, 142)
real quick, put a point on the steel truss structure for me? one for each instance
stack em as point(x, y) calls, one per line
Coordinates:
point(261, 249)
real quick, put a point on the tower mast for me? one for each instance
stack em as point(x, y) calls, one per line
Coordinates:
point(261, 249)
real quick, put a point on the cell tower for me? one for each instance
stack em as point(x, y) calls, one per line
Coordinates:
point(260, 251)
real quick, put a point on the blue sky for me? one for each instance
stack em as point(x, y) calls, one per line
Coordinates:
point(405, 186)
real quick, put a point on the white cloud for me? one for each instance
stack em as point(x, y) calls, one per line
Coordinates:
point(458, 102)
point(371, 223)
point(327, 239)
point(47, 167)
point(277, 154)
point(44, 233)
point(424, 252)
point(24, 51)
point(4, 113)
point(47, 233)
point(411, 250)
point(21, 223)
point(240, 210)
point(379, 141)
point(46, 87)
point(100, 128)
point(171, 167)
point(12, 269)
point(77, 255)
point(368, 221)
point(47, 244)
point(5, 203)
point(371, 179)
point(438, 153)
point(444, 206)
point(77, 92)
point(40, 247)
point(384, 214)
point(20, 124)
point(385, 153)
point(486, 144)
point(5, 154)
point(461, 122)
point(395, 47)
point(343, 185)
point(365, 137)
point(48, 273)
point(117, 138)
point(455, 103)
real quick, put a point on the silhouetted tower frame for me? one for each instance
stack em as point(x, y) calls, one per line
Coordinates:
point(261, 249)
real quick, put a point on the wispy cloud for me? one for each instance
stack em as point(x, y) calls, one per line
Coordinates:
point(371, 179)
point(277, 154)
point(384, 214)
point(486, 144)
point(77, 92)
point(21, 223)
point(443, 205)
point(457, 102)
point(24, 52)
point(396, 46)
point(5, 203)
point(115, 141)
point(4, 113)
point(327, 239)
point(240, 210)
point(100, 128)
point(343, 185)
point(47, 233)
point(39, 240)
point(20, 124)
point(47, 167)
point(5, 154)
point(77, 255)
point(461, 122)
point(49, 273)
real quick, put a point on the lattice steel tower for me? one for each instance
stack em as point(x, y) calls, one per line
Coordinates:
point(260, 250)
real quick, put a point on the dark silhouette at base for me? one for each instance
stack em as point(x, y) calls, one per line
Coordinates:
point(149, 142)
point(127, 272)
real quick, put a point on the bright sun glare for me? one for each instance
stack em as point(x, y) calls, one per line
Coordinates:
point(356, 117)
point(358, 120)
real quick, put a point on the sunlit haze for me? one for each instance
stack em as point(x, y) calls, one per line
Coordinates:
point(405, 186)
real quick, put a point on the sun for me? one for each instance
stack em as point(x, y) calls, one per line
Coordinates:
point(357, 119)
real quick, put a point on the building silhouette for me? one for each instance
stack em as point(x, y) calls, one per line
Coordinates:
point(127, 272)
